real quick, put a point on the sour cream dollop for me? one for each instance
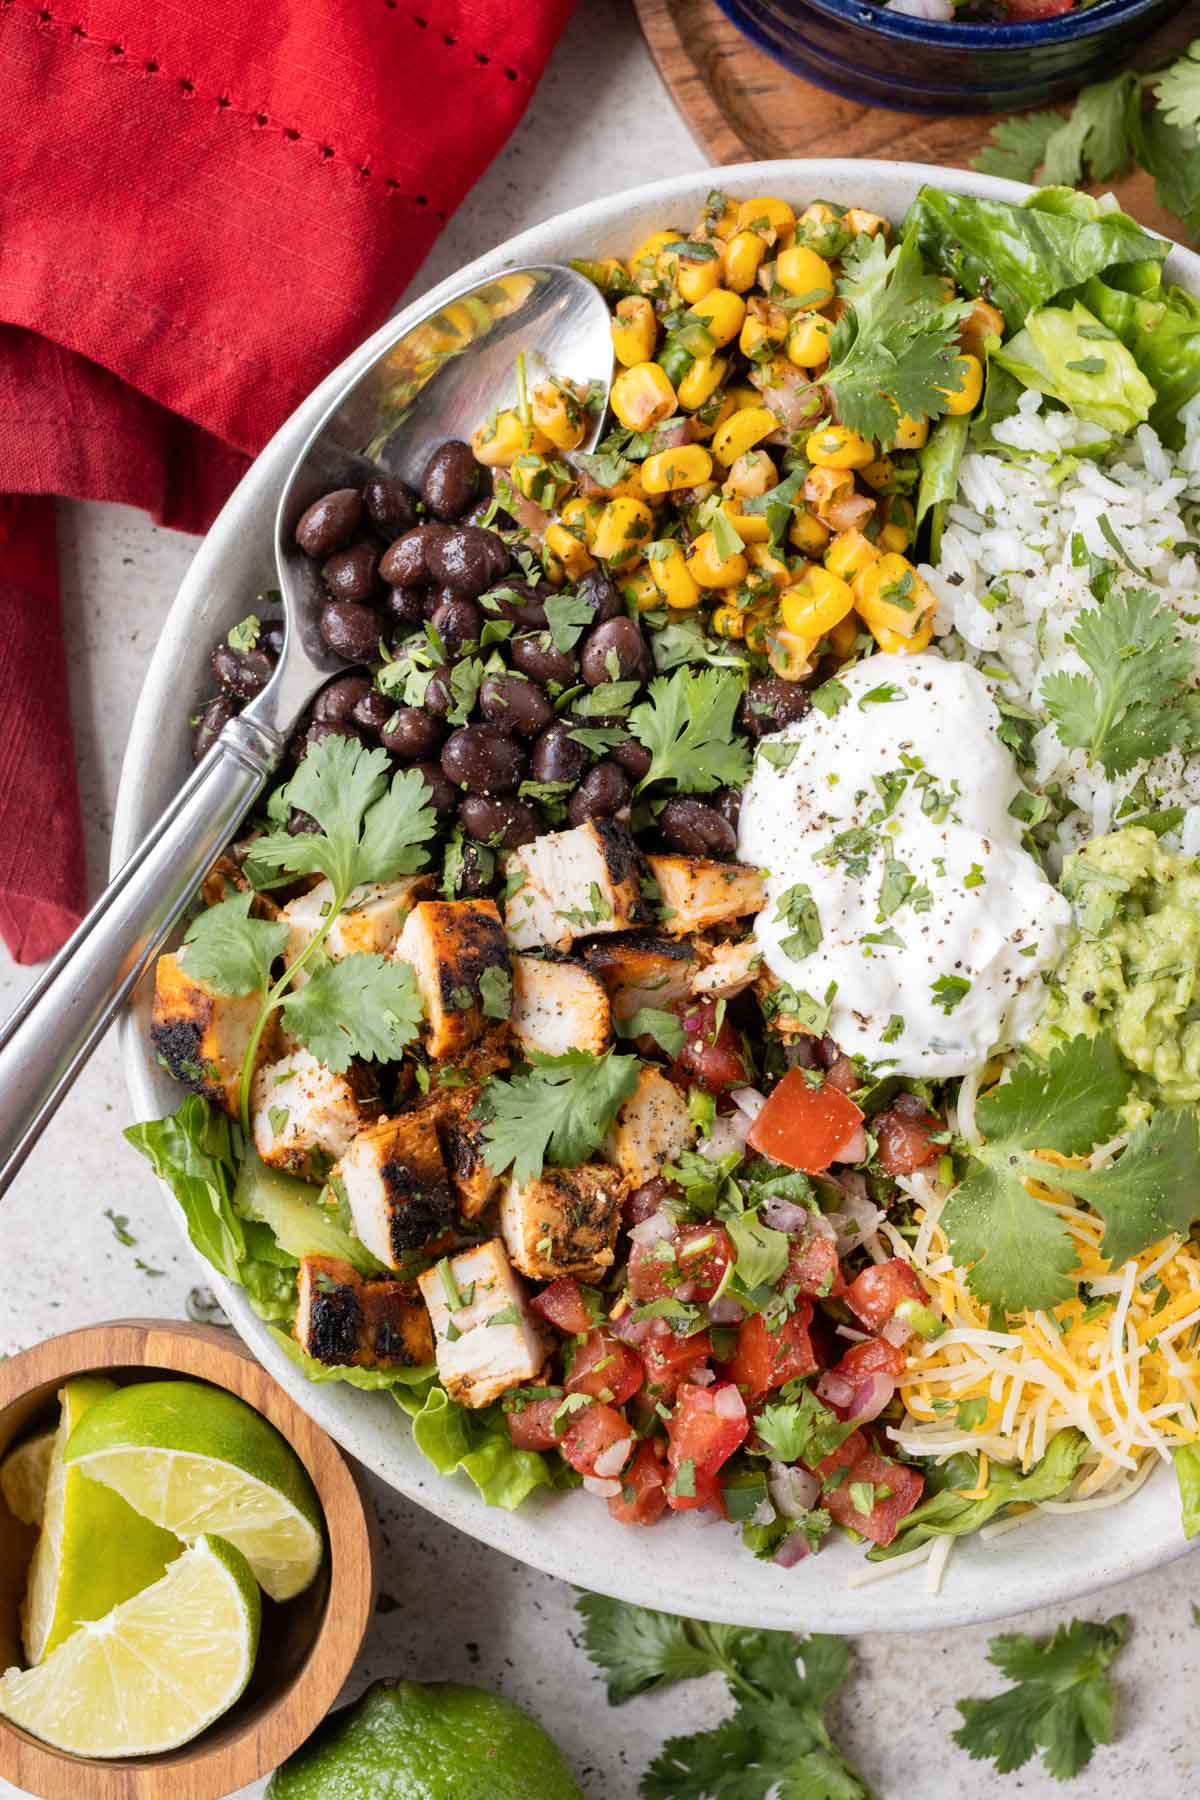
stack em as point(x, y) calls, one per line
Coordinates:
point(890, 814)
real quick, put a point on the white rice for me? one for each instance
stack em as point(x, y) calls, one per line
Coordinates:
point(1009, 591)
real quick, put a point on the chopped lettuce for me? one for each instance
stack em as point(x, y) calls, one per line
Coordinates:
point(196, 1151)
point(293, 1210)
point(1072, 357)
point(1187, 1473)
point(478, 1443)
point(1163, 335)
point(939, 463)
point(370, 1380)
point(945, 1513)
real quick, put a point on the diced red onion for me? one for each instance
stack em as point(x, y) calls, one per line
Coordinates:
point(685, 1291)
point(748, 1100)
point(796, 402)
point(897, 1332)
point(604, 1490)
point(857, 1217)
point(871, 1395)
point(785, 1215)
point(940, 11)
point(793, 1490)
point(848, 514)
point(835, 1389)
point(729, 1132)
point(726, 1310)
point(658, 1225)
point(819, 1226)
point(610, 1462)
point(854, 1149)
point(728, 1403)
point(529, 516)
point(630, 1330)
point(793, 1550)
point(700, 1376)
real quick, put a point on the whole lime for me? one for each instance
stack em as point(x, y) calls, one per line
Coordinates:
point(405, 1740)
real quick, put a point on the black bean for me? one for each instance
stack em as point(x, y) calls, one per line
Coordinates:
point(482, 759)
point(770, 703)
point(457, 621)
point(438, 697)
point(464, 560)
point(633, 757)
point(451, 480)
point(728, 802)
point(241, 672)
point(556, 755)
point(339, 699)
point(601, 595)
point(406, 562)
point(210, 724)
point(411, 732)
point(372, 712)
point(536, 656)
point(329, 522)
point(391, 507)
point(271, 638)
point(615, 651)
point(350, 575)
point(405, 606)
point(521, 602)
point(351, 631)
point(509, 822)
point(695, 829)
point(512, 703)
point(320, 729)
point(443, 795)
point(601, 794)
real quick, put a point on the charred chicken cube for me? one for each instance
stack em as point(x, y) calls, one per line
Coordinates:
point(651, 1129)
point(372, 918)
point(344, 1318)
point(729, 970)
point(696, 893)
point(461, 1139)
point(557, 1006)
point(303, 1113)
point(394, 1181)
point(570, 884)
point(641, 972)
point(459, 954)
point(563, 1221)
point(486, 1341)
point(203, 1036)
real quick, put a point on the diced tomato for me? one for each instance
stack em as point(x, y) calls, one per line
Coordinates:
point(877, 1292)
point(843, 1075)
point(643, 1496)
point(712, 1057)
point(802, 1126)
point(813, 1267)
point(766, 1359)
point(844, 1457)
point(605, 1368)
point(668, 1358)
point(694, 1258)
point(700, 1439)
point(533, 1427)
point(590, 1433)
point(875, 1357)
point(894, 1490)
point(869, 1372)
point(904, 1136)
point(562, 1305)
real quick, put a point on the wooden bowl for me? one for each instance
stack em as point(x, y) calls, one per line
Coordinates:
point(308, 1646)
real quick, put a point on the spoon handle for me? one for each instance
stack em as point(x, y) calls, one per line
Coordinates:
point(46, 1041)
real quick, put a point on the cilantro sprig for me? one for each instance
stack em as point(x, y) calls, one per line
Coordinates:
point(558, 1110)
point(687, 724)
point(1061, 1704)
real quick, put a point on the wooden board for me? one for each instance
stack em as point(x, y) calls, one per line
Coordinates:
point(742, 106)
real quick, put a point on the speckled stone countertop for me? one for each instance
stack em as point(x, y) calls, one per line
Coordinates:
point(601, 121)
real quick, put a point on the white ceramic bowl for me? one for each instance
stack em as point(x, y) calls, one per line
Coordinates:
point(683, 1565)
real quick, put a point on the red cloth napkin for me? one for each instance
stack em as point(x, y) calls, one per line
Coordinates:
point(203, 209)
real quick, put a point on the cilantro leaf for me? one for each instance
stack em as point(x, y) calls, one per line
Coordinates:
point(495, 993)
point(798, 909)
point(1068, 1103)
point(762, 1252)
point(567, 616)
point(1017, 146)
point(638, 1649)
point(558, 1110)
point(1140, 702)
point(650, 1021)
point(1151, 1190)
point(1061, 1705)
point(1178, 89)
point(687, 724)
point(800, 1428)
point(370, 830)
point(365, 1005)
point(224, 947)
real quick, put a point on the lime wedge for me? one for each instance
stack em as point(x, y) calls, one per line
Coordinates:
point(23, 1477)
point(155, 1671)
point(93, 1550)
point(196, 1459)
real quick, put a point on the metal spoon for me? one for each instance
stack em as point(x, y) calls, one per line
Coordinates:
point(436, 378)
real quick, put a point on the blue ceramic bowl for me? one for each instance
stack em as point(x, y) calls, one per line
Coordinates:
point(855, 48)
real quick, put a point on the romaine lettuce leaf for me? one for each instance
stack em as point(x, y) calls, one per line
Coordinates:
point(292, 1208)
point(1163, 336)
point(1187, 1473)
point(1070, 356)
point(370, 1380)
point(945, 1513)
point(478, 1443)
point(939, 462)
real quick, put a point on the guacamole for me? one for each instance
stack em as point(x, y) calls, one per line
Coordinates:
point(1133, 965)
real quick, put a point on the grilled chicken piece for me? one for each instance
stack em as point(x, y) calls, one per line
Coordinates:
point(651, 1129)
point(301, 1108)
point(729, 970)
point(478, 1361)
point(641, 971)
point(372, 918)
point(203, 1036)
point(575, 884)
point(343, 1318)
point(397, 1189)
point(459, 955)
point(696, 893)
point(557, 1006)
point(563, 1222)
point(461, 1139)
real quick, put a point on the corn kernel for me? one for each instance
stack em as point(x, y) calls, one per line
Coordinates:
point(538, 480)
point(752, 528)
point(802, 271)
point(702, 381)
point(849, 554)
point(709, 569)
point(721, 313)
point(808, 341)
point(499, 441)
point(728, 622)
point(762, 622)
point(643, 264)
point(768, 564)
point(879, 474)
point(581, 517)
point(982, 322)
point(743, 395)
point(897, 645)
point(766, 214)
point(898, 509)
point(837, 447)
point(695, 277)
point(911, 434)
point(764, 329)
point(863, 224)
point(624, 527)
point(674, 581)
point(722, 224)
point(570, 551)
point(642, 395)
point(893, 537)
point(789, 654)
point(824, 487)
point(742, 431)
point(889, 594)
point(844, 635)
point(807, 533)
point(637, 584)
point(558, 414)
point(963, 397)
point(815, 602)
point(634, 330)
point(751, 476)
point(670, 471)
point(743, 255)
